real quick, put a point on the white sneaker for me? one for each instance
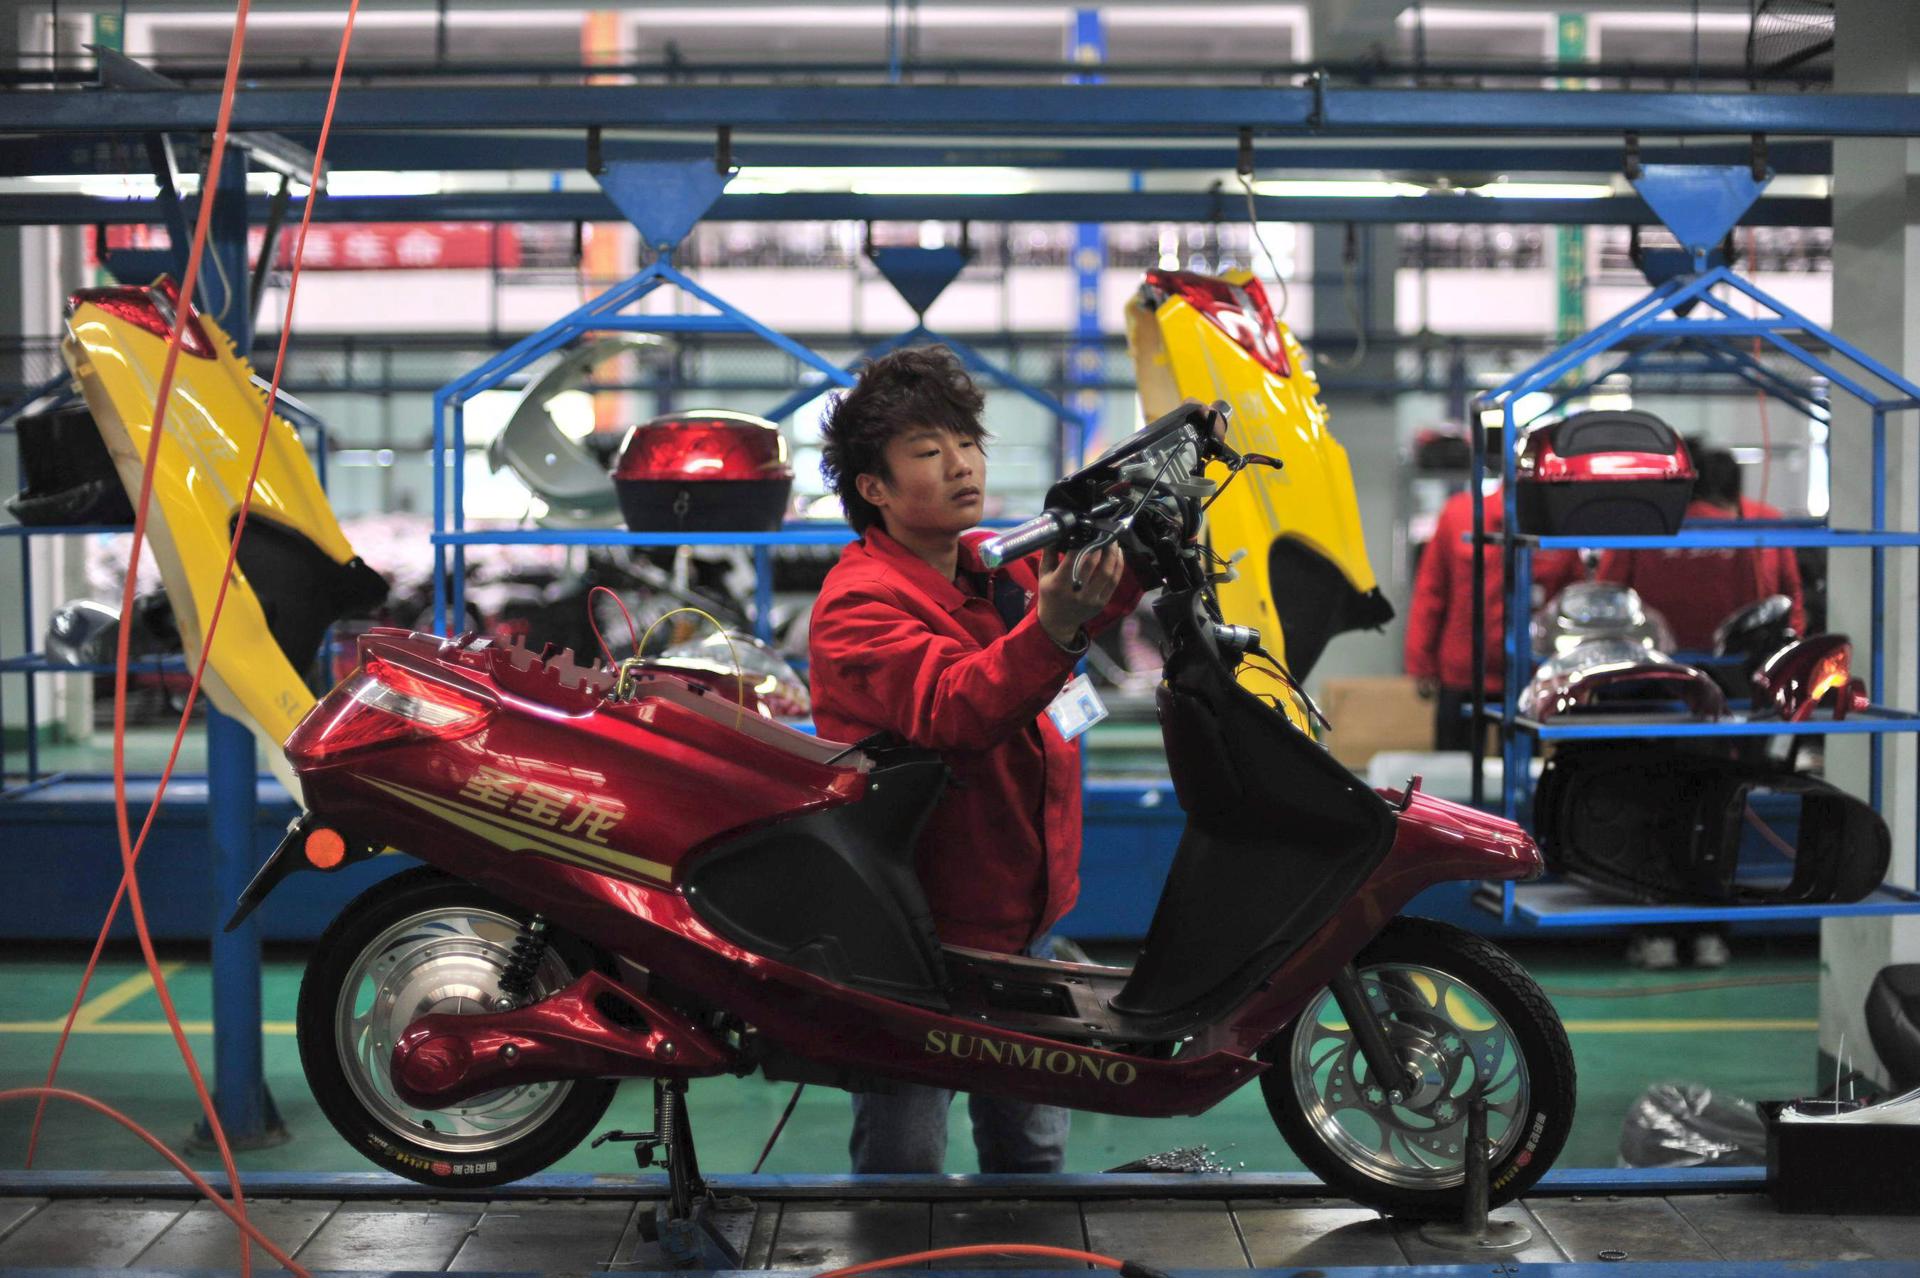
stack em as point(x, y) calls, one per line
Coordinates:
point(1654, 953)
point(1710, 950)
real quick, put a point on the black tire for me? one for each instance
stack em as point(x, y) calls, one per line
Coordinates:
point(377, 1124)
point(1417, 1169)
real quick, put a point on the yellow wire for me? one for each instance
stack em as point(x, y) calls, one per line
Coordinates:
point(739, 673)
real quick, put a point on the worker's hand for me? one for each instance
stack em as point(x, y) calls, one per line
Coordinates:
point(1064, 610)
point(1427, 688)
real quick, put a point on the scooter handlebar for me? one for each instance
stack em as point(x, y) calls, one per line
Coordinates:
point(1043, 530)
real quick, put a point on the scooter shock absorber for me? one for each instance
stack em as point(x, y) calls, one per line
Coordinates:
point(529, 949)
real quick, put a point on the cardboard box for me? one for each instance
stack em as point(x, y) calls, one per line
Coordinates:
point(1371, 713)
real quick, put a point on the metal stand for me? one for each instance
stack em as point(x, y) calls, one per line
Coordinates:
point(683, 1225)
point(240, 1096)
point(1475, 1233)
point(664, 200)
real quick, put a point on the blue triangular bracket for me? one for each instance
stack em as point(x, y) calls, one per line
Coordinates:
point(1662, 264)
point(663, 198)
point(1699, 203)
point(920, 275)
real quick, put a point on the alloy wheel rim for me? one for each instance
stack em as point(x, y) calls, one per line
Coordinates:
point(447, 960)
point(1457, 1042)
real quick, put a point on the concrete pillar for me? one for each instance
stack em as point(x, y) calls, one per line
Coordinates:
point(1356, 298)
point(1876, 292)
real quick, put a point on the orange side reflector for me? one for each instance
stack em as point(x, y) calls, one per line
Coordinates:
point(325, 848)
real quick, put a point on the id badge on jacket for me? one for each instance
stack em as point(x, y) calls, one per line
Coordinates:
point(1077, 708)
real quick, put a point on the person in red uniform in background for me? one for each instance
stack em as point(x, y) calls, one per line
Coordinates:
point(1697, 588)
point(912, 636)
point(1439, 647)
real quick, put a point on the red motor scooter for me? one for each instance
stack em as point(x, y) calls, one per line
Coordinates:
point(629, 875)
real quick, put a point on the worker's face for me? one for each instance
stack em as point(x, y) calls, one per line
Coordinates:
point(936, 482)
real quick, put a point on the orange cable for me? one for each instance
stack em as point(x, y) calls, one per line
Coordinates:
point(220, 599)
point(212, 1195)
point(977, 1249)
point(129, 885)
point(633, 632)
point(190, 278)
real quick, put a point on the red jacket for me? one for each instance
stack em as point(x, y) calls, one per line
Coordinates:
point(1440, 622)
point(896, 647)
point(1696, 589)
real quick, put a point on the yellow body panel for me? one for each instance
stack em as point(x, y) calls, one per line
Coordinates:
point(206, 450)
point(1179, 354)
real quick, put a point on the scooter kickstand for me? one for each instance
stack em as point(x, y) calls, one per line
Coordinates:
point(683, 1225)
point(1474, 1232)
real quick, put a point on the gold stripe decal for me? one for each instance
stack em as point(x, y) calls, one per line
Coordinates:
point(515, 837)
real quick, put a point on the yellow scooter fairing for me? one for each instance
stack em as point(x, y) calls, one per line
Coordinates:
point(1306, 576)
point(295, 573)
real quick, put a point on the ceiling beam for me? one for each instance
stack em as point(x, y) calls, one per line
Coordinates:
point(1016, 111)
point(102, 154)
point(1064, 206)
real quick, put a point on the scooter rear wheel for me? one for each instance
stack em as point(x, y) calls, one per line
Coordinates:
point(422, 942)
point(1472, 1023)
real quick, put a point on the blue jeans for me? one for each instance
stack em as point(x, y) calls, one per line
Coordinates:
point(904, 1129)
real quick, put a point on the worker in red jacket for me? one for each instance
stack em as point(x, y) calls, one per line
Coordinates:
point(911, 635)
point(1697, 588)
point(1439, 647)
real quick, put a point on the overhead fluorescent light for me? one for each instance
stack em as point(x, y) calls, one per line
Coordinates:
point(382, 182)
point(130, 186)
point(1504, 190)
point(883, 180)
point(1302, 188)
point(952, 180)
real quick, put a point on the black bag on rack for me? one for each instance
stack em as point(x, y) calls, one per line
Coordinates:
point(1651, 824)
point(66, 473)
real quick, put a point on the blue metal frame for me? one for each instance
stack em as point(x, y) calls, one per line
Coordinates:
point(240, 1095)
point(1098, 1185)
point(1065, 110)
point(492, 152)
point(1707, 339)
point(1087, 43)
point(921, 335)
point(61, 208)
point(687, 189)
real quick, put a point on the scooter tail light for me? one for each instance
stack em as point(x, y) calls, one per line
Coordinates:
point(153, 309)
point(1833, 673)
point(383, 702)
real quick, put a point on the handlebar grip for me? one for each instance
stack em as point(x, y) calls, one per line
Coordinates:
point(1038, 533)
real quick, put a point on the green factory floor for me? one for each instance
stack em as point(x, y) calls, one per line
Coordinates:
point(1746, 1030)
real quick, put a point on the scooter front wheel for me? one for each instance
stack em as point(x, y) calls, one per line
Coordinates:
point(417, 943)
point(1467, 1020)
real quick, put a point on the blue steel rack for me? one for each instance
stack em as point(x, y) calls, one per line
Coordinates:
point(664, 199)
point(1700, 204)
point(31, 661)
point(920, 275)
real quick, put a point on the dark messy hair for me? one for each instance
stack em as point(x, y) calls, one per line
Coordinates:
point(920, 386)
point(1720, 479)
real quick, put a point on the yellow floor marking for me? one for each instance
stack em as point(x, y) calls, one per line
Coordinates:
point(106, 1003)
point(1685, 1026)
